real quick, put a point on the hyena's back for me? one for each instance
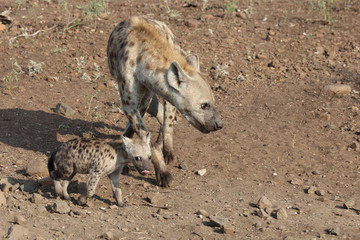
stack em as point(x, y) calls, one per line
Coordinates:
point(77, 156)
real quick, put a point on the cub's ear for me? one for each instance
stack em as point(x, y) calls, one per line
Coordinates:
point(148, 138)
point(176, 77)
point(127, 141)
point(193, 60)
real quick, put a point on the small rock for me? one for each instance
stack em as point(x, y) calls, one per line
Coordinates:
point(19, 220)
point(37, 168)
point(264, 202)
point(269, 210)
point(271, 32)
point(242, 15)
point(30, 186)
point(36, 198)
point(320, 192)
point(227, 229)
point(338, 89)
point(17, 232)
point(192, 23)
point(217, 221)
point(261, 213)
point(154, 198)
point(349, 204)
point(2, 27)
point(311, 190)
point(108, 235)
point(125, 230)
point(296, 181)
point(61, 207)
point(114, 207)
point(281, 214)
point(2, 199)
point(201, 172)
point(355, 146)
point(207, 17)
point(183, 165)
point(64, 109)
point(334, 231)
point(203, 212)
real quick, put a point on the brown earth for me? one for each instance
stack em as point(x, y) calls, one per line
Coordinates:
point(267, 63)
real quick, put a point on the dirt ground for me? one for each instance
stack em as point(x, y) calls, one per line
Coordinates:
point(268, 63)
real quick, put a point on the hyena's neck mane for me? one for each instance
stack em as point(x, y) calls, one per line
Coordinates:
point(155, 44)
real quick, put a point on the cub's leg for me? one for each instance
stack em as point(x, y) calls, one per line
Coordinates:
point(115, 186)
point(91, 187)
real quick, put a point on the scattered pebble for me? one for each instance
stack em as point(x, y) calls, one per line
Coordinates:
point(296, 181)
point(17, 232)
point(264, 202)
point(19, 220)
point(281, 214)
point(108, 235)
point(355, 146)
point(37, 168)
point(320, 192)
point(203, 212)
point(30, 186)
point(36, 198)
point(192, 23)
point(61, 207)
point(183, 165)
point(311, 190)
point(349, 204)
point(334, 231)
point(338, 89)
point(227, 229)
point(64, 109)
point(2, 199)
point(154, 198)
point(217, 221)
point(201, 172)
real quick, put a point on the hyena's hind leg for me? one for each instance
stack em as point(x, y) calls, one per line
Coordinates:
point(93, 181)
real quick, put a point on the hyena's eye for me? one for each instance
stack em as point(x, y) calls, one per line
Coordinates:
point(149, 157)
point(205, 106)
point(138, 158)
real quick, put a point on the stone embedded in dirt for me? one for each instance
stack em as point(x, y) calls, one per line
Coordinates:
point(2, 27)
point(227, 229)
point(36, 198)
point(207, 17)
point(203, 212)
point(217, 221)
point(338, 89)
point(320, 192)
point(355, 146)
point(108, 235)
point(19, 220)
point(154, 198)
point(269, 210)
point(64, 109)
point(2, 199)
point(349, 204)
point(281, 214)
point(261, 213)
point(61, 207)
point(311, 190)
point(183, 165)
point(17, 232)
point(334, 231)
point(201, 172)
point(242, 15)
point(30, 186)
point(296, 181)
point(37, 168)
point(192, 23)
point(264, 202)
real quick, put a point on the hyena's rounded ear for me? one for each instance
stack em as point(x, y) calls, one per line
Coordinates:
point(176, 77)
point(193, 60)
point(148, 137)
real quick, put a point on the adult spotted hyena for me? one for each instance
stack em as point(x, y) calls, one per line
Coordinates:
point(146, 61)
point(98, 158)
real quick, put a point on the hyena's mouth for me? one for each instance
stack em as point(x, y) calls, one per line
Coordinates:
point(197, 124)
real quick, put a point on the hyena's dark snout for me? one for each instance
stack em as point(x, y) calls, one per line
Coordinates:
point(215, 123)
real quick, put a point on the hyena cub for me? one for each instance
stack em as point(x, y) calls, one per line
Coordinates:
point(98, 158)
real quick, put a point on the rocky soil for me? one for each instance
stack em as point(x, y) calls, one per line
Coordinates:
point(286, 79)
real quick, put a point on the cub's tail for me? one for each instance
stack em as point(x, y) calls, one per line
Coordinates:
point(51, 164)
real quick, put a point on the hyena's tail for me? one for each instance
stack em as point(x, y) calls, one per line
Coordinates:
point(51, 164)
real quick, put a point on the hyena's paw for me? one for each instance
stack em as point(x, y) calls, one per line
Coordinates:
point(168, 155)
point(163, 178)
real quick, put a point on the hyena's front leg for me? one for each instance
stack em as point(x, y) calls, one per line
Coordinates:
point(115, 186)
point(168, 126)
